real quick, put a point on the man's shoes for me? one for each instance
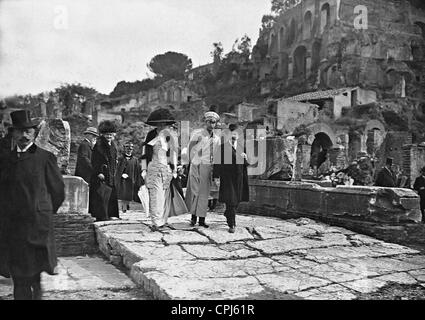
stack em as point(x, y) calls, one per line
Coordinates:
point(156, 228)
point(204, 225)
point(232, 230)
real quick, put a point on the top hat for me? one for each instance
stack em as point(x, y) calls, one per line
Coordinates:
point(91, 130)
point(160, 115)
point(21, 119)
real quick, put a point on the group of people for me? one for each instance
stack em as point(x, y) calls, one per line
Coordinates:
point(207, 180)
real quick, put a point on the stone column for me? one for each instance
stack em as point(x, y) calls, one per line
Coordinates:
point(74, 229)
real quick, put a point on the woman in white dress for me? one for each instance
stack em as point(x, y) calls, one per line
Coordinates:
point(160, 158)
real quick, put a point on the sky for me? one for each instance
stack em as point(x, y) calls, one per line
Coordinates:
point(45, 43)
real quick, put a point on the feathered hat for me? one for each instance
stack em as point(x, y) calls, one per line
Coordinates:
point(160, 115)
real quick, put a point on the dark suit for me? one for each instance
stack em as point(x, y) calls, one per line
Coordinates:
point(233, 173)
point(104, 161)
point(385, 178)
point(31, 191)
point(127, 189)
point(420, 183)
point(84, 168)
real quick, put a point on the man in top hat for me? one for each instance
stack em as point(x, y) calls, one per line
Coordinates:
point(385, 177)
point(84, 168)
point(202, 147)
point(31, 191)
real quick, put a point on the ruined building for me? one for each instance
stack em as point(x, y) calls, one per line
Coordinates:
point(362, 64)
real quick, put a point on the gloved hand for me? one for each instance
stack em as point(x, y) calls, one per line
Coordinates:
point(124, 176)
point(101, 176)
point(144, 174)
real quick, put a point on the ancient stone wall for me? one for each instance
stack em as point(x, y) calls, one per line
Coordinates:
point(388, 214)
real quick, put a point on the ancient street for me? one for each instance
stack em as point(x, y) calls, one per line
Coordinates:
point(265, 259)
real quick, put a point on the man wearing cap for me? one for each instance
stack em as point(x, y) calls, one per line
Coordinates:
point(202, 147)
point(84, 168)
point(385, 177)
point(31, 191)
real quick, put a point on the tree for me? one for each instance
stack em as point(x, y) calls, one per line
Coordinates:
point(217, 53)
point(170, 65)
point(280, 6)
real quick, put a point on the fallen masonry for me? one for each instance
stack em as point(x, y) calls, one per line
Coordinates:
point(266, 257)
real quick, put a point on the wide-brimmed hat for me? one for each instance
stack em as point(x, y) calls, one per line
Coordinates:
point(91, 130)
point(160, 115)
point(107, 126)
point(21, 119)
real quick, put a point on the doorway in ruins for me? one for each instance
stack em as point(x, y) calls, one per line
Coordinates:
point(320, 148)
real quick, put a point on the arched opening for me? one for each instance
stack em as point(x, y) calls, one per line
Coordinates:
point(282, 39)
point(421, 25)
point(315, 59)
point(325, 17)
point(284, 66)
point(320, 148)
point(307, 25)
point(291, 33)
point(273, 45)
point(417, 53)
point(375, 138)
point(300, 62)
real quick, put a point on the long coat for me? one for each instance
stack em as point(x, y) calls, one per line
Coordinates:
point(385, 178)
point(84, 168)
point(31, 191)
point(233, 175)
point(127, 189)
point(420, 183)
point(102, 206)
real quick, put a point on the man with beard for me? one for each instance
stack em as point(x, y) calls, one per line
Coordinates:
point(84, 168)
point(31, 191)
point(128, 177)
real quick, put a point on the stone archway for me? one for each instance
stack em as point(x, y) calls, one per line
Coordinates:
point(324, 140)
point(375, 135)
point(300, 62)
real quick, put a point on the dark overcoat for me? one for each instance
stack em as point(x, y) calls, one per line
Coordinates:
point(127, 189)
point(420, 183)
point(84, 168)
point(232, 170)
point(31, 191)
point(104, 160)
point(385, 178)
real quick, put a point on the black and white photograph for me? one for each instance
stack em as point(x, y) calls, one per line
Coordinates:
point(214, 154)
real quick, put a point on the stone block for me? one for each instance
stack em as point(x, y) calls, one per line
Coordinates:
point(76, 196)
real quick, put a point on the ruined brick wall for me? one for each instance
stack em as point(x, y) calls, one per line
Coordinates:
point(413, 161)
point(316, 45)
point(393, 147)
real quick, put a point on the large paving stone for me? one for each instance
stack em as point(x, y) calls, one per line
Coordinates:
point(279, 246)
point(126, 228)
point(382, 265)
point(152, 251)
point(340, 271)
point(365, 285)
point(332, 292)
point(202, 269)
point(164, 286)
point(220, 234)
point(85, 274)
point(282, 231)
point(180, 236)
point(419, 275)
point(291, 281)
point(400, 278)
point(222, 252)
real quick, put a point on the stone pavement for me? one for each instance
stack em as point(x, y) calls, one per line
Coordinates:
point(81, 277)
point(266, 258)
